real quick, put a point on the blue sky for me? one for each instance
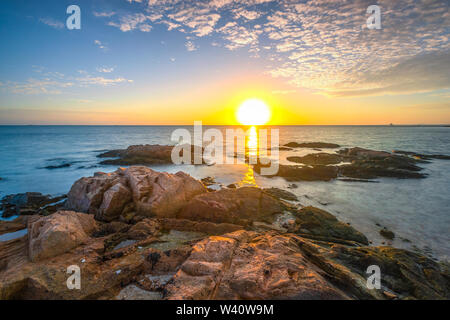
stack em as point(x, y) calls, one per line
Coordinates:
point(164, 61)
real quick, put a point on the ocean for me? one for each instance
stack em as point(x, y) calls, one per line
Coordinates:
point(417, 211)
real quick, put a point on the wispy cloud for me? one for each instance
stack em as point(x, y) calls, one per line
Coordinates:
point(53, 82)
point(104, 14)
point(100, 45)
point(105, 69)
point(52, 23)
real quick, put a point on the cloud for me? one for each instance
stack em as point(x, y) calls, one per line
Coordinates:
point(105, 69)
point(104, 14)
point(320, 45)
point(99, 44)
point(52, 83)
point(133, 21)
point(52, 23)
point(190, 46)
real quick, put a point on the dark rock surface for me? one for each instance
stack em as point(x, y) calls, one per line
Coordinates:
point(322, 145)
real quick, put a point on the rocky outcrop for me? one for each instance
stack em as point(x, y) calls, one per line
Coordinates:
point(248, 265)
point(303, 173)
point(317, 159)
point(422, 156)
point(321, 145)
point(30, 203)
point(236, 206)
point(58, 233)
point(139, 189)
point(318, 224)
point(145, 155)
point(281, 194)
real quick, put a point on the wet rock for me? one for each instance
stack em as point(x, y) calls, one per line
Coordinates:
point(322, 145)
point(236, 206)
point(30, 203)
point(59, 166)
point(370, 164)
point(388, 234)
point(405, 274)
point(58, 233)
point(208, 181)
point(317, 159)
point(319, 224)
point(422, 156)
point(303, 173)
point(144, 155)
point(281, 194)
point(248, 265)
point(17, 224)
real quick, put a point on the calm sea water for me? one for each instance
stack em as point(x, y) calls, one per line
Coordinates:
point(417, 210)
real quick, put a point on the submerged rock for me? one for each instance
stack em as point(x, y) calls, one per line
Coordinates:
point(317, 158)
point(303, 173)
point(30, 203)
point(281, 194)
point(236, 206)
point(322, 145)
point(422, 156)
point(388, 234)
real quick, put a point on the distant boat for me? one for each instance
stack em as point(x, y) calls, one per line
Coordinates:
point(391, 124)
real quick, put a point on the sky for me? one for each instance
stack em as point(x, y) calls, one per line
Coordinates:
point(143, 62)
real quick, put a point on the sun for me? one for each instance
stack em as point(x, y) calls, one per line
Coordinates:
point(253, 112)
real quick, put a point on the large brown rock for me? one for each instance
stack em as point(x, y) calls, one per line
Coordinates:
point(58, 233)
point(303, 173)
point(161, 194)
point(148, 192)
point(236, 206)
point(248, 265)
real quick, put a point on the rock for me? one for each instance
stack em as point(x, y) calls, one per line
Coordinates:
point(248, 265)
point(58, 233)
point(114, 201)
point(30, 203)
point(423, 156)
point(319, 224)
point(323, 145)
point(60, 166)
point(232, 186)
point(139, 189)
point(133, 292)
point(317, 159)
point(209, 228)
point(281, 194)
point(144, 229)
point(236, 206)
point(144, 155)
point(303, 173)
point(161, 194)
point(208, 181)
point(17, 224)
point(370, 164)
point(405, 274)
point(387, 234)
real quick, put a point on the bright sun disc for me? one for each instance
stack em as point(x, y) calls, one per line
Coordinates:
point(253, 112)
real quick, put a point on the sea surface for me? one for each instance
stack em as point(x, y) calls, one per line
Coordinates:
point(417, 211)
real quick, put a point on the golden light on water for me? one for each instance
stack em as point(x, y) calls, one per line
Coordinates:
point(253, 112)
